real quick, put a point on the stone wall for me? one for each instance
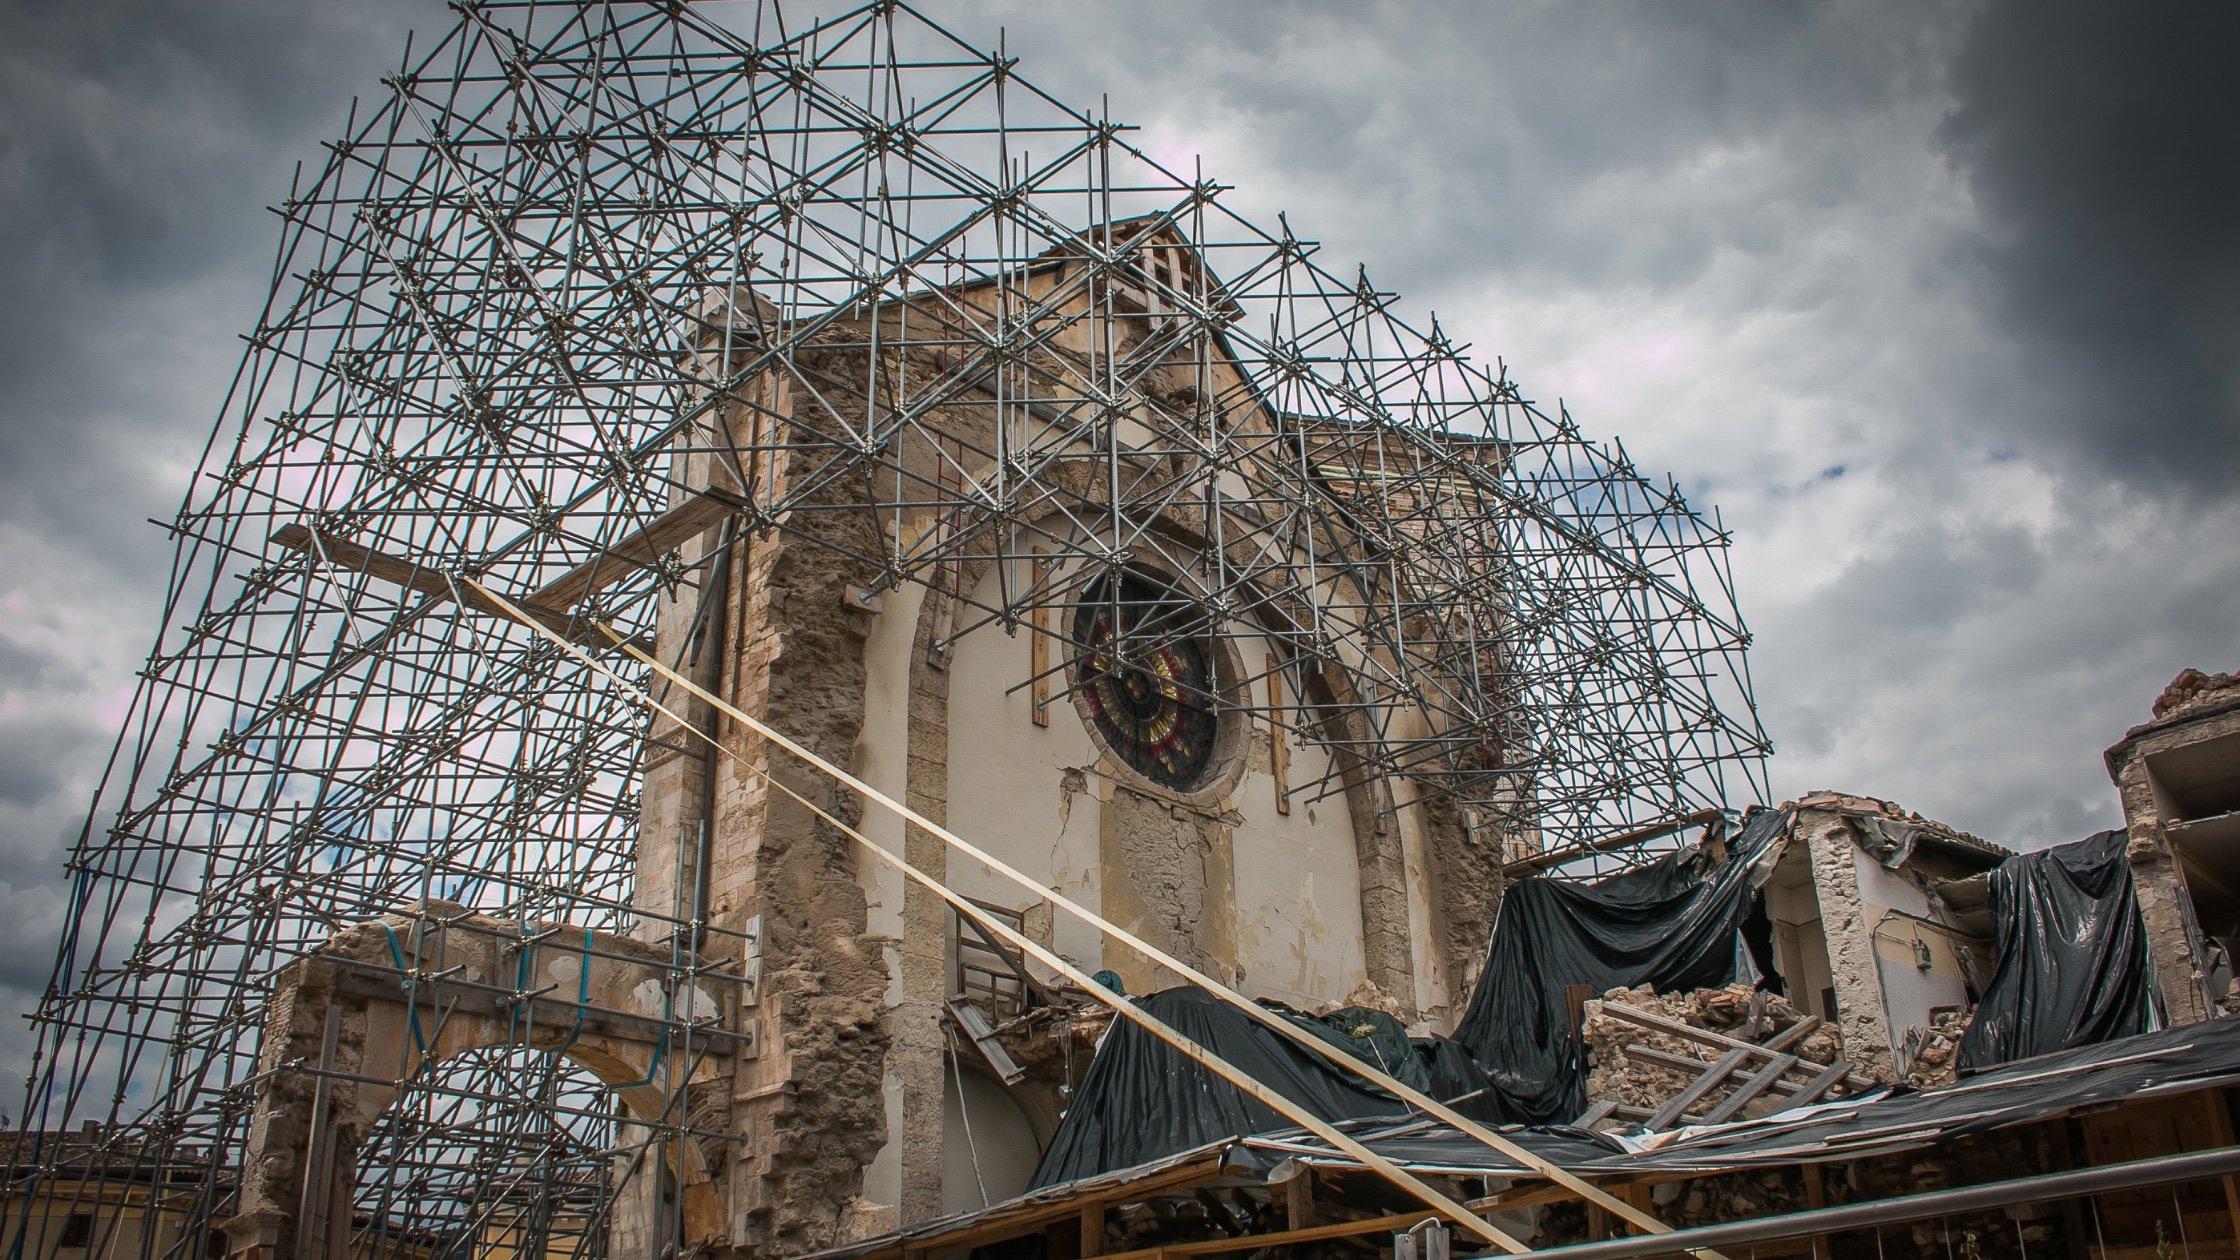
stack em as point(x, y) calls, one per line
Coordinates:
point(811, 1106)
point(2193, 710)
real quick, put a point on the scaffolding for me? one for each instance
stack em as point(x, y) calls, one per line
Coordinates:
point(588, 280)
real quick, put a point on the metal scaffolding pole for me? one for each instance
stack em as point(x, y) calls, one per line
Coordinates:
point(586, 285)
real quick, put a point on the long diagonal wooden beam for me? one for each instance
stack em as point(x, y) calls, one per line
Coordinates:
point(1415, 1097)
point(1150, 1023)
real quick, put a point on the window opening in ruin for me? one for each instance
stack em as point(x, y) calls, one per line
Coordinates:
point(2196, 793)
point(2196, 783)
point(1146, 672)
point(77, 1231)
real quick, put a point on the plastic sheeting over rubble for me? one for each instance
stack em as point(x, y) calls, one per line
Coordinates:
point(1142, 1100)
point(2176, 1060)
point(1672, 924)
point(2072, 951)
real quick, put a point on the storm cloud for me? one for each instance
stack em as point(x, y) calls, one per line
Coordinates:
point(2102, 147)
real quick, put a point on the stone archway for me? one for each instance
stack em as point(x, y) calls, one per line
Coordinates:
point(381, 1003)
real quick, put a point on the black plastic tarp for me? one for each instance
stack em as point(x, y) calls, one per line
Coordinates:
point(2072, 967)
point(1141, 1100)
point(2196, 1056)
point(1673, 924)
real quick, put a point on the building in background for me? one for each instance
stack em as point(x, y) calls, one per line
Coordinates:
point(2179, 775)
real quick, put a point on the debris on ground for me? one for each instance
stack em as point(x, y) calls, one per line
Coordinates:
point(1933, 1053)
point(1644, 1049)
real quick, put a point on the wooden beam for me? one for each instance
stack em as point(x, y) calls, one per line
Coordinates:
point(1816, 1196)
point(1609, 844)
point(1820, 1084)
point(1752, 1086)
point(1092, 1229)
point(1289, 1237)
point(1298, 1197)
point(422, 580)
point(1718, 1041)
point(335, 549)
point(1034, 1218)
point(1711, 1079)
point(2219, 1103)
point(1797, 1032)
point(1682, 1063)
point(1596, 1114)
point(1522, 1197)
point(641, 550)
point(1575, 999)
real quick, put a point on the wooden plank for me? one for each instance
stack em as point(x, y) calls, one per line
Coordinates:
point(1522, 1197)
point(350, 555)
point(1034, 1218)
point(1711, 1079)
point(1718, 1041)
point(1575, 999)
point(1753, 1085)
point(1797, 1032)
point(1682, 1063)
point(1819, 1084)
point(1596, 1114)
point(422, 580)
point(1816, 1196)
point(640, 550)
point(1298, 1198)
point(2219, 1105)
point(1539, 862)
point(1286, 1238)
point(1092, 1230)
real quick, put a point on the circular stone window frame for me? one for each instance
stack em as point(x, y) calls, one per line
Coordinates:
point(1232, 730)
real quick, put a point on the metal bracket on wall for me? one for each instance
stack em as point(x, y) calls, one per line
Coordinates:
point(750, 988)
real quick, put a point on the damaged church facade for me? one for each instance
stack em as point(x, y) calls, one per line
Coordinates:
point(796, 648)
point(1173, 765)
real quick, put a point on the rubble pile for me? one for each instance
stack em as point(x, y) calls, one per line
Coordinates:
point(1617, 1074)
point(1933, 1053)
point(2192, 689)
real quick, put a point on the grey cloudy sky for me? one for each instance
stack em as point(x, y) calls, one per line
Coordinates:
point(1940, 303)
